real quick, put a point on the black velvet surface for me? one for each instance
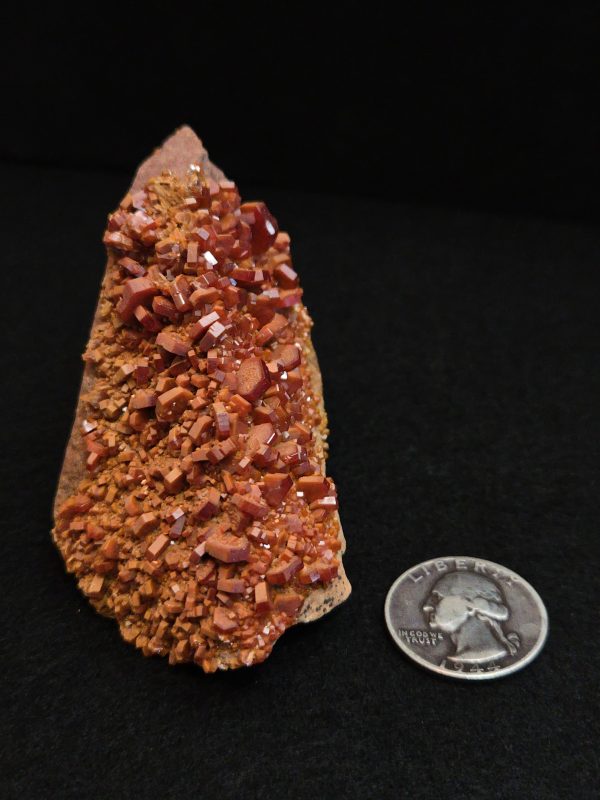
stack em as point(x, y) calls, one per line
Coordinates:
point(460, 356)
point(457, 104)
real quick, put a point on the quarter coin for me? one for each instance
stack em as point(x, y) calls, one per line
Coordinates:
point(466, 618)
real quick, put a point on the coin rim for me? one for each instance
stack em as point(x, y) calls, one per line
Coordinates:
point(477, 676)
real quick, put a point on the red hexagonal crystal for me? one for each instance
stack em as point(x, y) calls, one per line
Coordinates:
point(262, 224)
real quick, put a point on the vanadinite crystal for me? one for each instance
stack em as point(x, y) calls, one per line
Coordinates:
point(205, 519)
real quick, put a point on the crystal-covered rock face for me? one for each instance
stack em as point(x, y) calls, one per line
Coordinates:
point(205, 519)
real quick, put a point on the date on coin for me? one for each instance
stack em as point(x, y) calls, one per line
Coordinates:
point(466, 618)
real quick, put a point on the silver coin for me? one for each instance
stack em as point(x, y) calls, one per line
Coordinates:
point(466, 618)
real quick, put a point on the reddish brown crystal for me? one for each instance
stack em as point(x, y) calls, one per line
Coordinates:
point(208, 504)
point(289, 602)
point(165, 308)
point(276, 487)
point(253, 379)
point(132, 266)
point(203, 324)
point(158, 546)
point(282, 571)
point(228, 548)
point(223, 621)
point(212, 336)
point(250, 505)
point(261, 597)
point(145, 524)
point(171, 405)
point(286, 276)
point(313, 487)
point(174, 481)
point(248, 277)
point(135, 292)
point(180, 292)
point(172, 343)
point(262, 224)
point(263, 433)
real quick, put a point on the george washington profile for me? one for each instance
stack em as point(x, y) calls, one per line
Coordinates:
point(470, 607)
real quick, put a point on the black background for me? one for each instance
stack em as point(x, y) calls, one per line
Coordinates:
point(488, 105)
point(438, 175)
